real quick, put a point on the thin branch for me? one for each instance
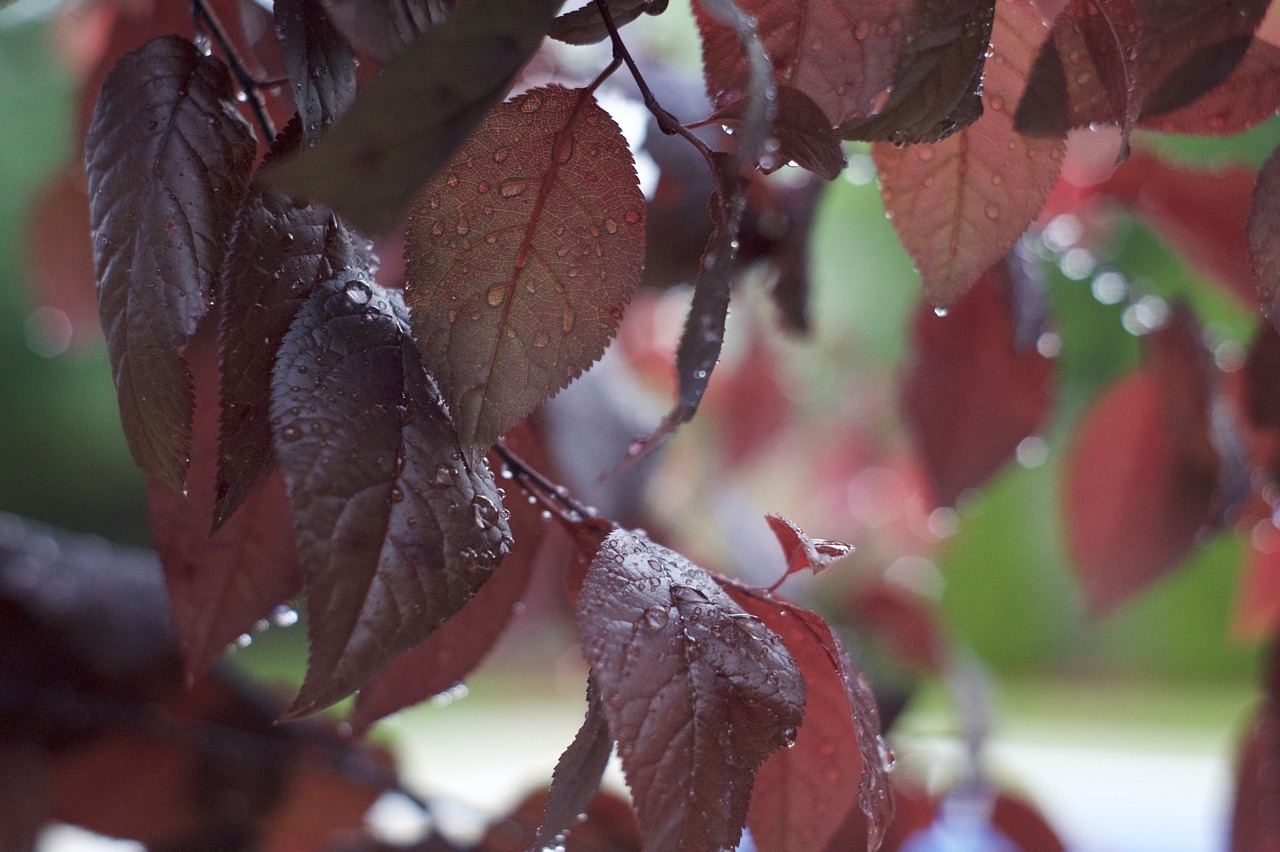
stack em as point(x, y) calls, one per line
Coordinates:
point(200, 11)
point(554, 497)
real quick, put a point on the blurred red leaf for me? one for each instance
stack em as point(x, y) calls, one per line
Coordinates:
point(902, 622)
point(803, 552)
point(960, 204)
point(610, 826)
point(972, 392)
point(1257, 608)
point(1248, 96)
point(62, 255)
point(1255, 819)
point(1263, 231)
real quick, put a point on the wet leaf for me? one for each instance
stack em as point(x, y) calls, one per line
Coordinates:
point(803, 552)
point(696, 692)
point(840, 53)
point(280, 251)
point(397, 524)
point(1249, 96)
point(937, 77)
point(804, 793)
point(406, 124)
point(754, 83)
point(219, 584)
point(383, 28)
point(960, 204)
point(1263, 233)
point(971, 392)
point(321, 65)
point(586, 26)
point(521, 255)
point(1141, 474)
point(801, 132)
point(577, 774)
point(168, 160)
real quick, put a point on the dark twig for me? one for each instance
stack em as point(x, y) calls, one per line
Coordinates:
point(205, 18)
point(554, 497)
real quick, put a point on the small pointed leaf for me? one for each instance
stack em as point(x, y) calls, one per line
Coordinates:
point(320, 62)
point(577, 775)
point(803, 552)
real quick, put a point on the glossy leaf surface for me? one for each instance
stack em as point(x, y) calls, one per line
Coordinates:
point(320, 62)
point(577, 775)
point(521, 255)
point(168, 160)
point(397, 524)
point(697, 692)
point(802, 551)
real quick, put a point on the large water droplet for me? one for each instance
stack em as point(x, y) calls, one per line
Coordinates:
point(657, 617)
point(512, 188)
point(291, 433)
point(486, 513)
point(496, 295)
point(358, 292)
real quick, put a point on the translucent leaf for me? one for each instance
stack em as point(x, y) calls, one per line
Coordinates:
point(1249, 96)
point(168, 159)
point(397, 524)
point(697, 692)
point(521, 255)
point(959, 205)
point(321, 65)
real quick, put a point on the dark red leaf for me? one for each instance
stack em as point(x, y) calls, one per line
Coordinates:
point(321, 65)
point(697, 693)
point(280, 251)
point(219, 584)
point(776, 229)
point(586, 26)
point(1255, 820)
point(168, 161)
point(841, 53)
point(1112, 32)
point(610, 827)
point(971, 392)
point(803, 552)
point(1257, 609)
point(61, 256)
point(804, 793)
point(802, 133)
point(903, 623)
point(1202, 215)
point(1141, 475)
point(937, 77)
point(397, 524)
point(577, 774)
point(753, 84)
point(1263, 232)
point(406, 124)
point(24, 793)
point(383, 28)
point(960, 204)
point(521, 255)
point(1248, 96)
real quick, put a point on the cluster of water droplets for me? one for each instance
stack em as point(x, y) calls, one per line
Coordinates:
point(281, 616)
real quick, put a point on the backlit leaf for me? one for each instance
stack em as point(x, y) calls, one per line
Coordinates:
point(960, 204)
point(586, 26)
point(1248, 96)
point(1263, 232)
point(521, 254)
point(577, 774)
point(971, 393)
point(803, 552)
point(321, 66)
point(803, 793)
point(168, 159)
point(397, 524)
point(697, 692)
point(937, 81)
point(406, 124)
point(280, 251)
point(841, 53)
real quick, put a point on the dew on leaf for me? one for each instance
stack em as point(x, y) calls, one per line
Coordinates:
point(512, 188)
point(496, 295)
point(486, 513)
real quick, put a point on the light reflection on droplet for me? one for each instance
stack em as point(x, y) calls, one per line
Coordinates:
point(1032, 451)
point(1077, 263)
point(1109, 287)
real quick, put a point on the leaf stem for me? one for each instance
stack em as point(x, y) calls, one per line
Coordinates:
point(201, 12)
point(555, 498)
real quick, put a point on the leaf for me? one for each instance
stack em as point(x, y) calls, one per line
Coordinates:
point(803, 552)
point(521, 255)
point(168, 160)
point(801, 132)
point(803, 794)
point(840, 53)
point(960, 204)
point(61, 258)
point(697, 693)
point(1254, 826)
point(1112, 31)
point(408, 122)
point(577, 774)
point(280, 251)
point(903, 623)
point(397, 525)
point(1141, 474)
point(321, 65)
point(937, 77)
point(1249, 96)
point(1263, 233)
point(383, 28)
point(586, 26)
point(1257, 606)
point(219, 584)
point(755, 86)
point(610, 827)
point(971, 393)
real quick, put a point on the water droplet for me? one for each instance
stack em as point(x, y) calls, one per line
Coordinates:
point(463, 227)
point(486, 513)
point(816, 44)
point(397, 494)
point(789, 735)
point(452, 179)
point(562, 152)
point(611, 226)
point(434, 202)
point(862, 29)
point(885, 755)
point(446, 475)
point(997, 103)
point(925, 153)
point(358, 292)
point(657, 617)
point(496, 295)
point(532, 102)
point(291, 433)
point(512, 188)
point(941, 312)
point(541, 340)
point(993, 212)
point(632, 217)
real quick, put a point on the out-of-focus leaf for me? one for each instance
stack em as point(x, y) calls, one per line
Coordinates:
point(1248, 96)
point(697, 692)
point(801, 131)
point(280, 251)
point(586, 26)
point(577, 774)
point(383, 28)
point(803, 552)
point(1255, 823)
point(1263, 233)
point(406, 124)
point(610, 827)
point(960, 204)
point(803, 793)
point(1141, 475)
point(971, 393)
point(397, 524)
point(168, 160)
point(841, 53)
point(521, 255)
point(902, 622)
point(321, 66)
point(219, 584)
point(61, 256)
point(937, 82)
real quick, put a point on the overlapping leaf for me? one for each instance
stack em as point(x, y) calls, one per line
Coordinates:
point(697, 692)
point(406, 124)
point(937, 77)
point(801, 132)
point(521, 255)
point(321, 65)
point(1263, 232)
point(397, 524)
point(168, 160)
point(1248, 96)
point(383, 28)
point(586, 26)
point(959, 205)
point(971, 393)
point(280, 250)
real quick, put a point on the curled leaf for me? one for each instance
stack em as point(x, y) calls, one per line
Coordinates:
point(803, 552)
